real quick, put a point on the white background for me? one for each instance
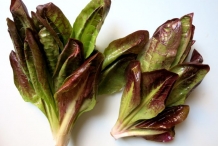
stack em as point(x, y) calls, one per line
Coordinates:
point(21, 124)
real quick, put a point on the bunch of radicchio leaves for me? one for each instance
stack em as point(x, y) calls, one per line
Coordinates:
point(158, 83)
point(56, 65)
point(57, 68)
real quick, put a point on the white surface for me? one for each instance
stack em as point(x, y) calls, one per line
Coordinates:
point(21, 124)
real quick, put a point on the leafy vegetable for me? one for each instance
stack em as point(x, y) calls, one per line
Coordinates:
point(118, 54)
point(158, 84)
point(89, 22)
point(51, 69)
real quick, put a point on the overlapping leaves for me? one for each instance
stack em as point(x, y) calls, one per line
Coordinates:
point(158, 84)
point(56, 65)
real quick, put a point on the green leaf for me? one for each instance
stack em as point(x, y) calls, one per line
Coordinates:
point(159, 128)
point(18, 46)
point(143, 97)
point(21, 17)
point(23, 84)
point(37, 68)
point(167, 120)
point(155, 87)
point(77, 94)
point(162, 47)
point(186, 38)
point(89, 22)
point(113, 78)
point(21, 81)
point(188, 48)
point(36, 22)
point(131, 44)
point(56, 19)
point(164, 137)
point(190, 76)
point(50, 48)
point(69, 60)
point(41, 20)
point(131, 97)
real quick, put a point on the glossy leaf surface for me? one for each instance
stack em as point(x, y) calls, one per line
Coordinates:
point(131, 44)
point(50, 48)
point(155, 88)
point(56, 19)
point(78, 88)
point(21, 17)
point(186, 38)
point(113, 78)
point(162, 47)
point(190, 76)
point(89, 22)
point(69, 60)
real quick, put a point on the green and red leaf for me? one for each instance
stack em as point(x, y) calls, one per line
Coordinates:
point(131, 44)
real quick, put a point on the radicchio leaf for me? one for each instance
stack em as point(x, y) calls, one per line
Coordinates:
point(131, 44)
point(56, 19)
point(162, 47)
point(131, 97)
point(21, 17)
point(143, 97)
point(23, 84)
point(186, 39)
point(190, 76)
point(50, 47)
point(20, 79)
point(89, 22)
point(155, 87)
point(18, 45)
point(159, 128)
point(37, 68)
point(196, 57)
point(77, 89)
point(69, 60)
point(113, 77)
point(166, 120)
point(164, 137)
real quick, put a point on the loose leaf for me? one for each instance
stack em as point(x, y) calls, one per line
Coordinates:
point(56, 19)
point(18, 45)
point(131, 44)
point(89, 22)
point(167, 119)
point(186, 38)
point(23, 84)
point(20, 79)
point(40, 17)
point(156, 86)
point(164, 137)
point(162, 47)
point(190, 76)
point(145, 101)
point(131, 97)
point(21, 17)
point(189, 46)
point(69, 60)
point(50, 47)
point(78, 88)
point(196, 57)
point(159, 128)
point(113, 78)
point(37, 68)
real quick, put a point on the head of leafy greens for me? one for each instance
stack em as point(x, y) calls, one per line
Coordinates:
point(56, 65)
point(158, 83)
